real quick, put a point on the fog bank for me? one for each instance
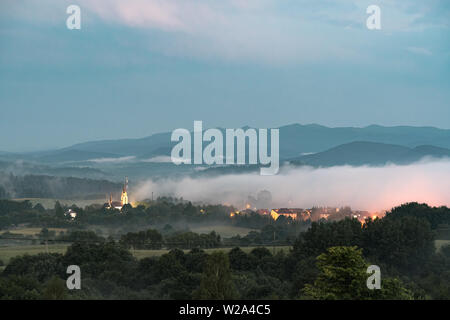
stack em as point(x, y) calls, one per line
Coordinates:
point(363, 188)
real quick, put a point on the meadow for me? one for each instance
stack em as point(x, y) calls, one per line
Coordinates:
point(9, 252)
point(225, 231)
point(31, 231)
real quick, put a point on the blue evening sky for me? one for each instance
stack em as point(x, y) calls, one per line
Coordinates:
point(139, 67)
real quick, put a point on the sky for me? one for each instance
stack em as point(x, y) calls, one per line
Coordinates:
point(140, 67)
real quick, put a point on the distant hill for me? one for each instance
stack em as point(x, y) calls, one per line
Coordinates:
point(370, 153)
point(25, 168)
point(433, 151)
point(148, 146)
point(372, 145)
point(294, 140)
point(70, 155)
point(41, 186)
point(297, 139)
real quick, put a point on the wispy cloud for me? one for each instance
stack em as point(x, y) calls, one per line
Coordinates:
point(260, 30)
point(113, 160)
point(158, 159)
point(418, 50)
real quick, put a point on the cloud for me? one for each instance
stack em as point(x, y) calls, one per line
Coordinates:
point(165, 15)
point(272, 31)
point(364, 188)
point(421, 51)
point(195, 15)
point(159, 159)
point(264, 30)
point(113, 160)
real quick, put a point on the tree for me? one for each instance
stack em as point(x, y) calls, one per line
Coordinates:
point(19, 288)
point(239, 260)
point(342, 276)
point(105, 261)
point(261, 253)
point(55, 289)
point(323, 235)
point(171, 264)
point(59, 210)
point(434, 215)
point(150, 239)
point(195, 260)
point(3, 193)
point(216, 281)
point(406, 243)
point(41, 267)
point(38, 207)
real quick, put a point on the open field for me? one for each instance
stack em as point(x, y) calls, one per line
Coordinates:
point(440, 243)
point(6, 253)
point(32, 231)
point(223, 230)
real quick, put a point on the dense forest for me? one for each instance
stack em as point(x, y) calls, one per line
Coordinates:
point(327, 260)
point(43, 186)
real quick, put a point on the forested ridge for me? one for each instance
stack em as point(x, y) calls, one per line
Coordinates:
point(43, 186)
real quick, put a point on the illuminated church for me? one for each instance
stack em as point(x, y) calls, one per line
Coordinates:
point(123, 198)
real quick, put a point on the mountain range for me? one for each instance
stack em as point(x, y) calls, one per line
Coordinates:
point(294, 140)
point(312, 144)
point(360, 153)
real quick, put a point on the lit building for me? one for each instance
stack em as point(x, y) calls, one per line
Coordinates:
point(72, 214)
point(123, 198)
point(293, 213)
point(288, 213)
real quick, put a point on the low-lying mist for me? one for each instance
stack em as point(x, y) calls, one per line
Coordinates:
point(362, 188)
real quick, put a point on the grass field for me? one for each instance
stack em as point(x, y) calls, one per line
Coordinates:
point(223, 230)
point(6, 253)
point(32, 231)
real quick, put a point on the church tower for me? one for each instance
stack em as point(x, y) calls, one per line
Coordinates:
point(124, 197)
